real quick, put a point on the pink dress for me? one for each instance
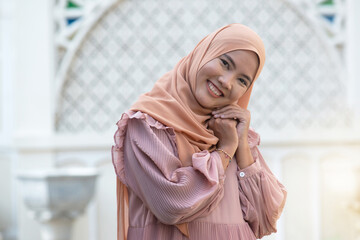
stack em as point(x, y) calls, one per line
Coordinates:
point(236, 204)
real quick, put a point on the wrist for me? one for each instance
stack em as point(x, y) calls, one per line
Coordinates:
point(243, 147)
point(228, 149)
point(243, 140)
point(225, 157)
point(243, 156)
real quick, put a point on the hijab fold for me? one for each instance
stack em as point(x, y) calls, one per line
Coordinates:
point(172, 101)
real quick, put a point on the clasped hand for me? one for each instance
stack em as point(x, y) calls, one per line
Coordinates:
point(231, 125)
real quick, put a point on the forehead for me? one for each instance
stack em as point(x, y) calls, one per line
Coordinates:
point(239, 55)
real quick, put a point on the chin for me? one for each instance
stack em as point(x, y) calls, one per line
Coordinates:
point(209, 103)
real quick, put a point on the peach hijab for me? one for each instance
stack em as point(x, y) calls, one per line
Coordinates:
point(172, 101)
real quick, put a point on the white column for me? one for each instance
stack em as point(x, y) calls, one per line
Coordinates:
point(8, 216)
point(6, 72)
point(34, 77)
point(353, 54)
point(33, 81)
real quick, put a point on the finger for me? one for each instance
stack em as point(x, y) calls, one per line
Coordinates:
point(226, 122)
point(211, 122)
point(231, 115)
point(227, 111)
point(239, 119)
point(224, 109)
point(236, 111)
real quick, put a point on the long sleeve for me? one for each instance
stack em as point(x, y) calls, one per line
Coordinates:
point(262, 196)
point(174, 194)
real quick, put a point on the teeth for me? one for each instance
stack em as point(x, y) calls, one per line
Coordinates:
point(214, 89)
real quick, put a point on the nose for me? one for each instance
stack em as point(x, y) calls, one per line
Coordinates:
point(226, 81)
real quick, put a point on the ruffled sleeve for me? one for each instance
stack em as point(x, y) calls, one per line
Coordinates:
point(262, 196)
point(149, 166)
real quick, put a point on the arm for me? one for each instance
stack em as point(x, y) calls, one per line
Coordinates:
point(174, 194)
point(262, 196)
point(242, 119)
point(243, 154)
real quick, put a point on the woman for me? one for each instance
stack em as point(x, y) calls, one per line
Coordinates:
point(188, 165)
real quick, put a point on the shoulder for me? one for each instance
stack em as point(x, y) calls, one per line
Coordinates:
point(148, 134)
point(142, 121)
point(143, 127)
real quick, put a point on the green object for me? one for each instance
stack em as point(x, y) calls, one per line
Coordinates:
point(327, 2)
point(71, 4)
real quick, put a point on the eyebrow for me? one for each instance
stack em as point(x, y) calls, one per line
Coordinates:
point(233, 63)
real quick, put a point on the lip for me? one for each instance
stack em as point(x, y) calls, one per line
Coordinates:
point(211, 92)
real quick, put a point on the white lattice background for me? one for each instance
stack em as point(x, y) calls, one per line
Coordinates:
point(137, 41)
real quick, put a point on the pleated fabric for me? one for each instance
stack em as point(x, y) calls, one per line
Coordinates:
point(215, 204)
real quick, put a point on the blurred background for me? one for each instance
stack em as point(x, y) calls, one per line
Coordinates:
point(69, 68)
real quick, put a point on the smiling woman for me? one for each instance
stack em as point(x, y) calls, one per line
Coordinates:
point(223, 80)
point(186, 159)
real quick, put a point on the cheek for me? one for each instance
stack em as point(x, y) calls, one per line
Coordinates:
point(238, 93)
point(209, 69)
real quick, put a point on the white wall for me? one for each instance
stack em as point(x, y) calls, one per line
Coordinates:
point(353, 53)
point(7, 163)
point(27, 140)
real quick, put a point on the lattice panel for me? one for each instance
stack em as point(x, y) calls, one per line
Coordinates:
point(138, 41)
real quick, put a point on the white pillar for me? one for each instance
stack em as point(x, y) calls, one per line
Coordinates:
point(353, 54)
point(6, 72)
point(8, 216)
point(33, 81)
point(34, 78)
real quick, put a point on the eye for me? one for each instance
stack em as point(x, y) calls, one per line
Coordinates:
point(225, 63)
point(243, 82)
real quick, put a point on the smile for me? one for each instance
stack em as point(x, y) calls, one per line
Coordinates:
point(213, 90)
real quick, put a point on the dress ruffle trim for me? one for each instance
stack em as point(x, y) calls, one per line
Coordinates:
point(197, 230)
point(253, 138)
point(118, 151)
point(119, 137)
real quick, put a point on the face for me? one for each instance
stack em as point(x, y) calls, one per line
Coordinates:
point(223, 80)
